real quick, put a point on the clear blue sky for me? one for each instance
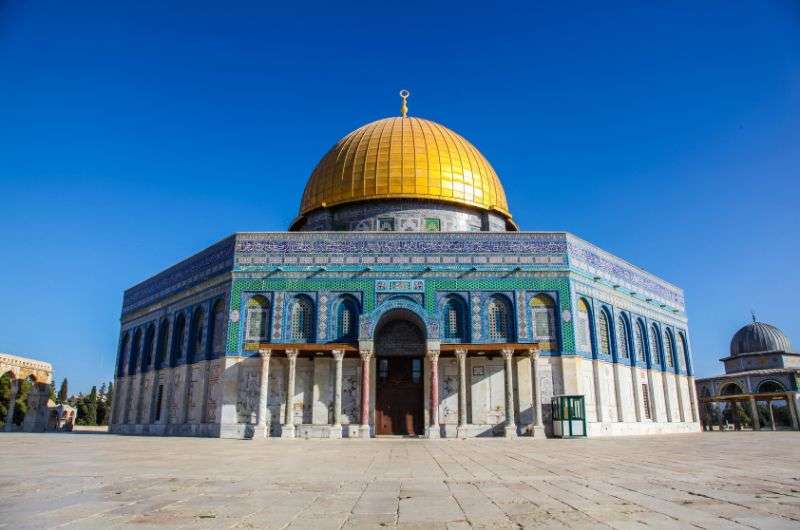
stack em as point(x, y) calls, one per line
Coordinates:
point(133, 134)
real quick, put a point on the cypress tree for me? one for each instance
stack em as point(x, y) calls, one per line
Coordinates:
point(63, 392)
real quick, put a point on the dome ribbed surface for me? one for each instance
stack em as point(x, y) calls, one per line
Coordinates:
point(404, 158)
point(759, 337)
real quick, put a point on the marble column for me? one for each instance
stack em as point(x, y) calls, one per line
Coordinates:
point(771, 415)
point(366, 357)
point(461, 430)
point(511, 427)
point(262, 428)
point(434, 431)
point(11, 404)
point(637, 398)
point(599, 402)
point(651, 391)
point(336, 428)
point(754, 414)
point(538, 426)
point(287, 431)
point(792, 404)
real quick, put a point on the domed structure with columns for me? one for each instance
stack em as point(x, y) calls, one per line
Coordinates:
point(760, 384)
point(403, 300)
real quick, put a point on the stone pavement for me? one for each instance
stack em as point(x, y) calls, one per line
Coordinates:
point(708, 480)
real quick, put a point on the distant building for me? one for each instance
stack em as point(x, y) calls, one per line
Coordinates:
point(32, 378)
point(760, 384)
point(403, 300)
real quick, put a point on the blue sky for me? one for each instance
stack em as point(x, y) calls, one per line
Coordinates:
point(133, 134)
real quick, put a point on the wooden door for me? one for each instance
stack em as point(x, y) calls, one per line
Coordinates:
point(399, 396)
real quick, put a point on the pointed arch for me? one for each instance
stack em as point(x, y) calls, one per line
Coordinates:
point(454, 319)
point(623, 337)
point(136, 346)
point(639, 335)
point(301, 319)
point(257, 317)
point(163, 343)
point(178, 329)
point(669, 348)
point(499, 318)
point(544, 317)
point(583, 327)
point(604, 331)
point(122, 358)
point(655, 346)
point(217, 331)
point(195, 349)
point(683, 351)
point(149, 340)
point(346, 312)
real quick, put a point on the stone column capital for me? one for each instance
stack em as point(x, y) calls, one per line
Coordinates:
point(433, 355)
point(533, 353)
point(338, 354)
point(366, 354)
point(461, 353)
point(265, 354)
point(292, 354)
point(508, 353)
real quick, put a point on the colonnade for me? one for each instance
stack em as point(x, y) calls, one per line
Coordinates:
point(433, 429)
point(751, 400)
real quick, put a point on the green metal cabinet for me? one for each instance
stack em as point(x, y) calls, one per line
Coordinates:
point(569, 416)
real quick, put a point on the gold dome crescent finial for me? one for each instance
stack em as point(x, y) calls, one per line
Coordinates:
point(404, 107)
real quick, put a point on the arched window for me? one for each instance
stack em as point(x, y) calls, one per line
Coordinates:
point(638, 342)
point(177, 339)
point(603, 333)
point(731, 389)
point(346, 320)
point(682, 349)
point(622, 337)
point(135, 349)
point(257, 319)
point(544, 318)
point(770, 386)
point(302, 319)
point(149, 339)
point(161, 347)
point(669, 353)
point(218, 322)
point(499, 317)
point(655, 350)
point(583, 330)
point(196, 338)
point(124, 349)
point(454, 324)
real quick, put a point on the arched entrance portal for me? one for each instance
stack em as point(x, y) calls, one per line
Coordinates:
point(399, 393)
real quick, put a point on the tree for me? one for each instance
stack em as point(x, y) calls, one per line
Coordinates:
point(52, 391)
point(110, 396)
point(63, 392)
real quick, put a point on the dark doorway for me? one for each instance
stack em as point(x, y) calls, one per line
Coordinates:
point(398, 404)
point(399, 392)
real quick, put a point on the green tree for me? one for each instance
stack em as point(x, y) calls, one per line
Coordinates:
point(63, 391)
point(21, 405)
point(52, 389)
point(5, 396)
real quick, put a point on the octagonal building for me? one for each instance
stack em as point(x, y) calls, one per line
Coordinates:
point(403, 300)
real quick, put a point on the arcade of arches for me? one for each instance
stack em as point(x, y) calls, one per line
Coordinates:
point(24, 391)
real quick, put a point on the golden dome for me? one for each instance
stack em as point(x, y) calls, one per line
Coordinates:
point(404, 158)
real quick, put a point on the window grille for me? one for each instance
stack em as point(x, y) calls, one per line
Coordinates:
point(668, 355)
point(159, 399)
point(583, 330)
point(639, 336)
point(681, 351)
point(498, 319)
point(257, 319)
point(655, 352)
point(622, 338)
point(453, 322)
point(603, 338)
point(301, 320)
point(646, 400)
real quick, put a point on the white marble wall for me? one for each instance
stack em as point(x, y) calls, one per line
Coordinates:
point(220, 398)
